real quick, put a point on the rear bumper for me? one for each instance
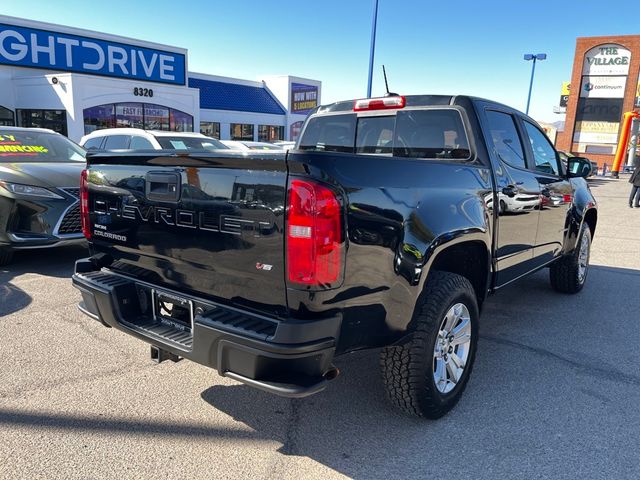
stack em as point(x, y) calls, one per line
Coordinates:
point(289, 358)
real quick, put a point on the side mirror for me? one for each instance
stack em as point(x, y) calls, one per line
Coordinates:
point(579, 167)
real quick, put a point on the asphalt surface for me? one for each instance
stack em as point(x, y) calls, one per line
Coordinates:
point(554, 392)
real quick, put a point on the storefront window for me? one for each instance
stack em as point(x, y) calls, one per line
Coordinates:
point(136, 115)
point(156, 117)
point(210, 129)
point(241, 131)
point(55, 120)
point(129, 115)
point(270, 133)
point(180, 121)
point(96, 118)
point(6, 117)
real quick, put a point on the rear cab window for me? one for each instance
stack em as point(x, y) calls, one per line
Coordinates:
point(429, 133)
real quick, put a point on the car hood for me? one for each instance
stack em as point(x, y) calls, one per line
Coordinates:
point(44, 174)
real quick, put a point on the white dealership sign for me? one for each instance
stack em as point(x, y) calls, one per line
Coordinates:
point(602, 87)
point(607, 59)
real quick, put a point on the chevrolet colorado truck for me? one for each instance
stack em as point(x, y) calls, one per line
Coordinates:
point(382, 228)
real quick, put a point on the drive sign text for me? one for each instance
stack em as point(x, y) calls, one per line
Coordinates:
point(29, 47)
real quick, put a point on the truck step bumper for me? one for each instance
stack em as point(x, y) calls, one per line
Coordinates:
point(290, 358)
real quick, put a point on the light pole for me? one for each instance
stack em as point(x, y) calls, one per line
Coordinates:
point(373, 46)
point(527, 57)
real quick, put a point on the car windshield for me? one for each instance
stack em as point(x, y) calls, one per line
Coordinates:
point(34, 146)
point(179, 142)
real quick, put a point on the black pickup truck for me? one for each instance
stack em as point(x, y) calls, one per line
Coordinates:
point(386, 227)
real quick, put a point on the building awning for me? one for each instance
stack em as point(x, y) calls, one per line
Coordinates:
point(215, 95)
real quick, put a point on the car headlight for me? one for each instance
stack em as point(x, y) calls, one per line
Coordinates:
point(29, 190)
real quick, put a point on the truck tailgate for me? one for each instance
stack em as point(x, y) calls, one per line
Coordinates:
point(209, 224)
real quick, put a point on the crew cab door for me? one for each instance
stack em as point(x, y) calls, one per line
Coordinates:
point(556, 193)
point(517, 196)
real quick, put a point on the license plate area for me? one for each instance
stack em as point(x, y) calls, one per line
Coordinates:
point(171, 310)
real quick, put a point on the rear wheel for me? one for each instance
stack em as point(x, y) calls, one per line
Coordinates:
point(6, 255)
point(569, 274)
point(427, 375)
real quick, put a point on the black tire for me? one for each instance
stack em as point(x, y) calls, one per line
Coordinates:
point(408, 369)
point(503, 207)
point(564, 274)
point(6, 256)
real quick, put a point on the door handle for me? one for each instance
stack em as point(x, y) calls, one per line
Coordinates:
point(510, 190)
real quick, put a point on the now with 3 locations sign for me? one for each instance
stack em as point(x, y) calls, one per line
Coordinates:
point(30, 47)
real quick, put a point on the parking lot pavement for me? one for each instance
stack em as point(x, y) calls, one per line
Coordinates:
point(554, 392)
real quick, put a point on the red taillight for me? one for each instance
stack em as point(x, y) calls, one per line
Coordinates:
point(383, 103)
point(84, 205)
point(314, 235)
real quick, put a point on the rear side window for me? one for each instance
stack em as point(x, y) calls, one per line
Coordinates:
point(437, 133)
point(140, 143)
point(116, 142)
point(332, 133)
point(505, 138)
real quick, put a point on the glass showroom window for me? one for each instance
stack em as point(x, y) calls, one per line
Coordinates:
point(180, 121)
point(210, 129)
point(55, 120)
point(129, 115)
point(241, 131)
point(156, 117)
point(136, 115)
point(97, 118)
point(6, 117)
point(270, 133)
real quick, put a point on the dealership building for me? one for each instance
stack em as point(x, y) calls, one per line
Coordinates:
point(76, 81)
point(604, 85)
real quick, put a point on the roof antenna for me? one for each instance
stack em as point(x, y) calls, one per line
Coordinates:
point(386, 84)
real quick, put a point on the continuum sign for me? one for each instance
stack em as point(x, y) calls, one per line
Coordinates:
point(30, 47)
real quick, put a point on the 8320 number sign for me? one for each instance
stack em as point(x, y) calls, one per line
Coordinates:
point(142, 92)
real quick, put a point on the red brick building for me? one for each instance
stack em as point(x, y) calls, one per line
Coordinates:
point(604, 85)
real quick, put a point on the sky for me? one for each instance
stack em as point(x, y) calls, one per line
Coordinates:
point(447, 47)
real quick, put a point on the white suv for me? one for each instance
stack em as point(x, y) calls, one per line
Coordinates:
point(139, 139)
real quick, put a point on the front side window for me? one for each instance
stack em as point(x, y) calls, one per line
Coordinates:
point(241, 131)
point(544, 155)
point(505, 138)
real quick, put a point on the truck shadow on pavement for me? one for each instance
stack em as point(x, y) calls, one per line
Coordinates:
point(545, 389)
point(526, 372)
point(56, 262)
